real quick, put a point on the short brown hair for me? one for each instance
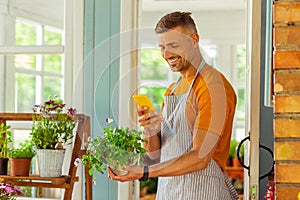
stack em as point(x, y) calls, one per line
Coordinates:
point(175, 19)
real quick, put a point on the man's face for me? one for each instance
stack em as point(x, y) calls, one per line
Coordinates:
point(177, 48)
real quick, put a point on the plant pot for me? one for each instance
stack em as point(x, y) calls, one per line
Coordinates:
point(50, 162)
point(3, 166)
point(236, 162)
point(19, 166)
point(120, 170)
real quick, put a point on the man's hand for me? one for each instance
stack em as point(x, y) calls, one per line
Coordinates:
point(134, 173)
point(151, 121)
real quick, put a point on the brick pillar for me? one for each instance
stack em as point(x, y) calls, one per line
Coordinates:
point(286, 66)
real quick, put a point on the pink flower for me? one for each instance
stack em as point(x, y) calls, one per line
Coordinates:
point(72, 111)
point(77, 162)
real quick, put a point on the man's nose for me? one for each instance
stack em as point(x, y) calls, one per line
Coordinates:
point(166, 53)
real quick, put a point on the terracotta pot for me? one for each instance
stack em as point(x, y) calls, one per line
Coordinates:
point(3, 166)
point(236, 162)
point(19, 166)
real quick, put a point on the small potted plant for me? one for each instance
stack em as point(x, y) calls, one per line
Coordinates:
point(20, 159)
point(52, 128)
point(116, 148)
point(5, 139)
point(9, 192)
point(233, 153)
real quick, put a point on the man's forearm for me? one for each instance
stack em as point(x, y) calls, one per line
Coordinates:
point(152, 146)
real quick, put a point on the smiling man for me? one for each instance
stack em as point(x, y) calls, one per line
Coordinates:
point(192, 136)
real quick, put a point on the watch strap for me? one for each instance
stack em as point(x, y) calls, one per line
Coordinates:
point(146, 174)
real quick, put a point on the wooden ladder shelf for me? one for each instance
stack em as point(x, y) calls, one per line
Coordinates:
point(65, 182)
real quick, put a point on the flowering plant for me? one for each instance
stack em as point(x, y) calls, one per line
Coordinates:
point(8, 192)
point(51, 126)
point(116, 147)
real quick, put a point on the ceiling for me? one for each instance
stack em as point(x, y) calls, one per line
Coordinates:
point(192, 5)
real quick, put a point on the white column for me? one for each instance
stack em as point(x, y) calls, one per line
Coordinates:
point(128, 80)
point(3, 23)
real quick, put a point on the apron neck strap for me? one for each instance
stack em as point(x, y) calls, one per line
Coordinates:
point(198, 71)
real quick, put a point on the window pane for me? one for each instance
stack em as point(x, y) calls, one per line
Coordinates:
point(241, 63)
point(241, 100)
point(26, 61)
point(25, 89)
point(25, 34)
point(154, 67)
point(209, 53)
point(52, 86)
point(156, 95)
point(52, 37)
point(53, 63)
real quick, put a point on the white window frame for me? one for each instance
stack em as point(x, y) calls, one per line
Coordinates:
point(72, 49)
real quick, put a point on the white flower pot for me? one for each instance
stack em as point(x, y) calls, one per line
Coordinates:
point(50, 162)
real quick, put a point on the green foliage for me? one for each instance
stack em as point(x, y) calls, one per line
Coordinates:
point(51, 125)
point(154, 67)
point(116, 146)
point(233, 149)
point(151, 185)
point(24, 151)
point(5, 138)
point(156, 94)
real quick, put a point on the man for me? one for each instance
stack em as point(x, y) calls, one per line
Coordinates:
point(192, 136)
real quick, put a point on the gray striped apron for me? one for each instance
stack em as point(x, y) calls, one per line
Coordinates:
point(176, 139)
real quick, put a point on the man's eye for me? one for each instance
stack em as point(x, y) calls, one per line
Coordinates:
point(174, 46)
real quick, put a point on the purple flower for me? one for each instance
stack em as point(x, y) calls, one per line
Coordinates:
point(8, 189)
point(94, 181)
point(108, 120)
point(72, 111)
point(18, 190)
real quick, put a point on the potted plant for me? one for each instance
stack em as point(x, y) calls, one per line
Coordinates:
point(116, 148)
point(233, 153)
point(20, 159)
point(9, 192)
point(5, 139)
point(52, 128)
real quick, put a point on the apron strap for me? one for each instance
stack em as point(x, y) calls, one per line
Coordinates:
point(233, 193)
point(198, 70)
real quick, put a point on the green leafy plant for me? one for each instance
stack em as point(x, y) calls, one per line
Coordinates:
point(51, 125)
point(232, 149)
point(115, 147)
point(5, 139)
point(24, 151)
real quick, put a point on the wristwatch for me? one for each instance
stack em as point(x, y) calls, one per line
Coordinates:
point(146, 174)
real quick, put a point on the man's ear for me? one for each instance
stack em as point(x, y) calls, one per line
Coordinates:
point(195, 37)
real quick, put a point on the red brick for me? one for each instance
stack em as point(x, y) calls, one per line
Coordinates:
point(287, 151)
point(286, 36)
point(286, 13)
point(286, 128)
point(287, 104)
point(286, 60)
point(287, 173)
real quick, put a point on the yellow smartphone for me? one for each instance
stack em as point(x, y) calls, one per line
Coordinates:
point(143, 100)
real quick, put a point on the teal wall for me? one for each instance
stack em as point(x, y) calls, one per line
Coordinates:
point(101, 75)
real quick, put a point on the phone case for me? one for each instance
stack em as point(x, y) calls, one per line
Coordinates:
point(143, 100)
